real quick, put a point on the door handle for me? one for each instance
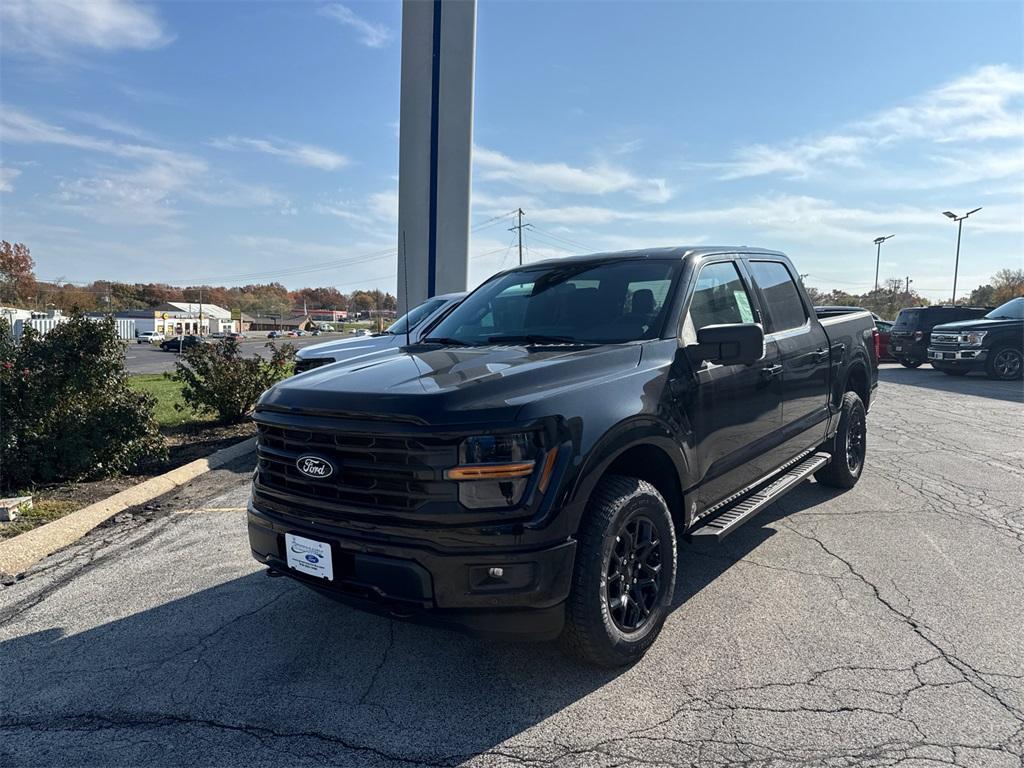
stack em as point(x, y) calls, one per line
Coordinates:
point(771, 371)
point(821, 355)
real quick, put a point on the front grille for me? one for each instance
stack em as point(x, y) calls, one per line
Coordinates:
point(375, 472)
point(945, 338)
point(309, 363)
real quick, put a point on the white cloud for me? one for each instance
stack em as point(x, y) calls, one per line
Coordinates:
point(384, 205)
point(299, 154)
point(7, 175)
point(108, 125)
point(599, 179)
point(370, 34)
point(145, 188)
point(982, 106)
point(53, 28)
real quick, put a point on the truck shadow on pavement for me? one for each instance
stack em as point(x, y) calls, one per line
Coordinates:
point(257, 667)
point(976, 384)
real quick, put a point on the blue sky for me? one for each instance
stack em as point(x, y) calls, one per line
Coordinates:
point(237, 142)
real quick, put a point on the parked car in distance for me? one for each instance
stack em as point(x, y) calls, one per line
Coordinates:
point(908, 337)
point(414, 321)
point(181, 343)
point(236, 336)
point(992, 344)
point(527, 467)
point(275, 335)
point(149, 337)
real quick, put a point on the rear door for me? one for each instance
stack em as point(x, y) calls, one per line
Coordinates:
point(735, 410)
point(803, 351)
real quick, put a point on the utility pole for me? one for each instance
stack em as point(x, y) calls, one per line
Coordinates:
point(908, 285)
point(959, 231)
point(200, 311)
point(519, 228)
point(878, 255)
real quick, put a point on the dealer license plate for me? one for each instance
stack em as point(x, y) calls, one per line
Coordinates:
point(899, 347)
point(308, 556)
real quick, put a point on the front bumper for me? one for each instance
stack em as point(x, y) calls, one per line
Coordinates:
point(957, 356)
point(410, 580)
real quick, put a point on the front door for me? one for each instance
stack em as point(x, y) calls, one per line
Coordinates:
point(734, 410)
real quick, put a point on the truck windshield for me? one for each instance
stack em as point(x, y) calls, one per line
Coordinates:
point(1011, 310)
point(572, 303)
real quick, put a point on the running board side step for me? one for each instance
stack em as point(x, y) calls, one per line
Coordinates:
point(721, 524)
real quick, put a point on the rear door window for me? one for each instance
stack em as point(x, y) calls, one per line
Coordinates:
point(785, 308)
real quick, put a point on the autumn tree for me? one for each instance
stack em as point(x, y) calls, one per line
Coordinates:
point(1008, 284)
point(17, 273)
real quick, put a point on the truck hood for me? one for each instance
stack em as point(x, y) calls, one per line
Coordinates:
point(447, 385)
point(974, 325)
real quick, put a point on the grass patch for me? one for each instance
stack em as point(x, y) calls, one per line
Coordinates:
point(168, 395)
point(41, 512)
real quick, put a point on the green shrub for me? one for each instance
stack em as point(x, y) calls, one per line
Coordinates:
point(217, 379)
point(66, 409)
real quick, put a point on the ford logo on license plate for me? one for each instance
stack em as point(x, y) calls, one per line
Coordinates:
point(315, 467)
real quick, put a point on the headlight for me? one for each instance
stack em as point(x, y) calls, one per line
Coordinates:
point(972, 338)
point(494, 470)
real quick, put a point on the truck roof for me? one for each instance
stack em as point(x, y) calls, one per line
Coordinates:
point(668, 252)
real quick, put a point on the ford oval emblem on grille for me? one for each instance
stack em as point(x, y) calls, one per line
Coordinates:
point(315, 467)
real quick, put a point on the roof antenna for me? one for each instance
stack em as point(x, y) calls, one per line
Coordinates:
point(405, 279)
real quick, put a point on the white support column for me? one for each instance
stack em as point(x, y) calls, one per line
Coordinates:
point(436, 140)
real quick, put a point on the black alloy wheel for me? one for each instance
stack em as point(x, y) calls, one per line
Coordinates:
point(633, 581)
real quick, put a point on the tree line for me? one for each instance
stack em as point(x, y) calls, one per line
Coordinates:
point(19, 286)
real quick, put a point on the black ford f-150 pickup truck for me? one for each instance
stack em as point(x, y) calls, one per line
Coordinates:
point(994, 344)
point(527, 467)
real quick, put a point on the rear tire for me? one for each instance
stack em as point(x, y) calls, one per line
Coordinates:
point(1004, 364)
point(848, 447)
point(911, 363)
point(624, 576)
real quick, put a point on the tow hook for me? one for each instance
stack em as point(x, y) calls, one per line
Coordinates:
point(273, 573)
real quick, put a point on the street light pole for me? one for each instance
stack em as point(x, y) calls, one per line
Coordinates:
point(878, 255)
point(959, 231)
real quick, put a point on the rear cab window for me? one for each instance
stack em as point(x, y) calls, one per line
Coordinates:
point(784, 308)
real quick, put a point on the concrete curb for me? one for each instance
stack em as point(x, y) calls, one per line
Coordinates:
point(17, 555)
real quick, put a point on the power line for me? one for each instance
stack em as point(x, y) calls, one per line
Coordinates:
point(566, 240)
point(519, 228)
point(491, 221)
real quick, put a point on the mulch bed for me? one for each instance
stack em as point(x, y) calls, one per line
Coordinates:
point(184, 444)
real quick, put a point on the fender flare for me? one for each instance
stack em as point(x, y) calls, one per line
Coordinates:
point(624, 436)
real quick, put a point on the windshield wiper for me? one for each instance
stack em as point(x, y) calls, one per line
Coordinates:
point(533, 338)
point(447, 341)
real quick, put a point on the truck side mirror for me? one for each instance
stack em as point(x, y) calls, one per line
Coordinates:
point(728, 344)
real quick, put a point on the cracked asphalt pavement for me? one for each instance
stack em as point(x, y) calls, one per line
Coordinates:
point(883, 626)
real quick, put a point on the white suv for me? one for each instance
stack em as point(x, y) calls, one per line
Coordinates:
point(149, 337)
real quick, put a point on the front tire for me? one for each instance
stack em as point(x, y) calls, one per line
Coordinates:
point(848, 447)
point(1004, 364)
point(624, 576)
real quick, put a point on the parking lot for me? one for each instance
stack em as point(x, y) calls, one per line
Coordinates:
point(878, 627)
point(149, 358)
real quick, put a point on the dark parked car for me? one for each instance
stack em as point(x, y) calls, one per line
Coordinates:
point(180, 343)
point(275, 335)
point(527, 468)
point(908, 338)
point(992, 344)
